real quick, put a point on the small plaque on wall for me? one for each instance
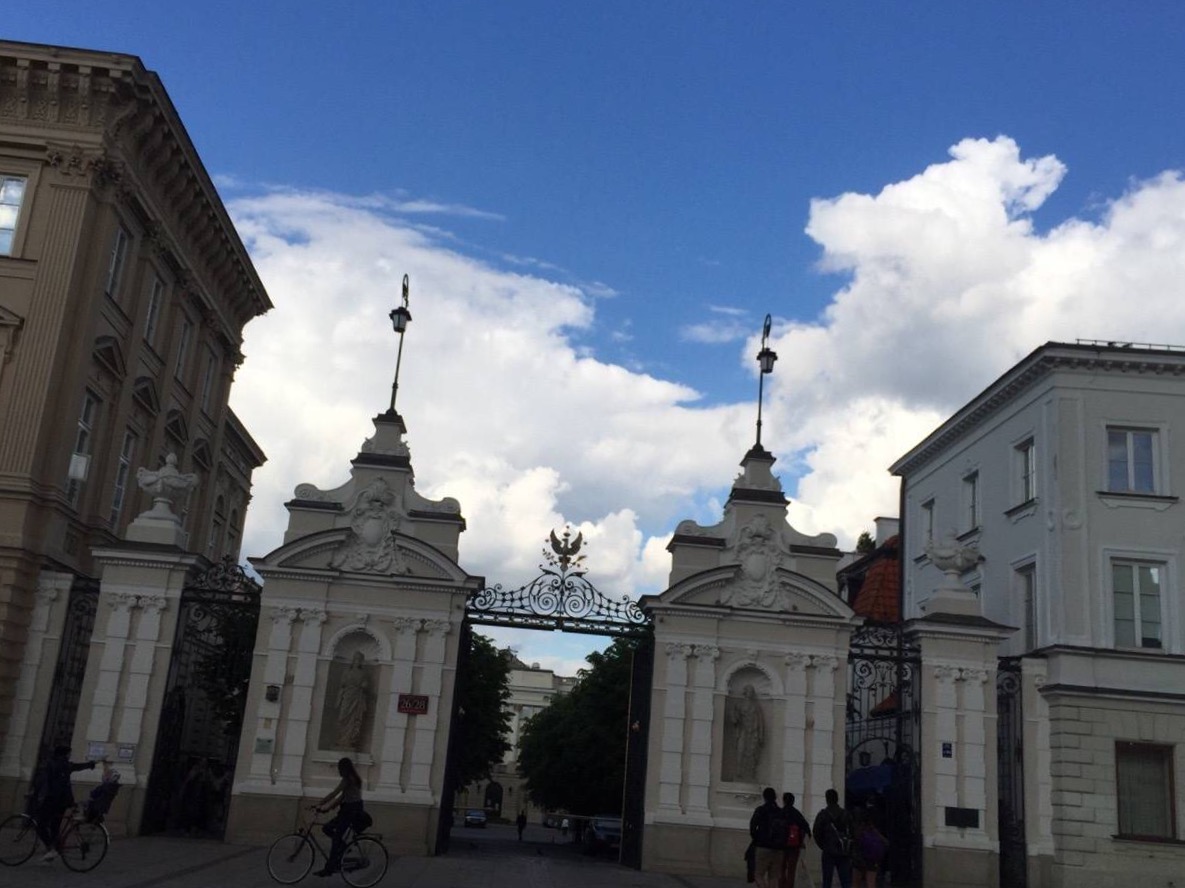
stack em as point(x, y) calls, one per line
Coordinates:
point(264, 744)
point(413, 704)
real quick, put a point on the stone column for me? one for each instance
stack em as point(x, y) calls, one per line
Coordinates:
point(392, 766)
point(670, 764)
point(262, 774)
point(825, 711)
point(703, 713)
point(300, 705)
point(794, 747)
point(958, 748)
point(424, 732)
point(36, 674)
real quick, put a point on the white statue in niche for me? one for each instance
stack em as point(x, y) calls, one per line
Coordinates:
point(748, 726)
point(371, 544)
point(759, 555)
point(353, 702)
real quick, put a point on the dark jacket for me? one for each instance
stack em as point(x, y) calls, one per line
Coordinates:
point(826, 837)
point(55, 791)
point(794, 817)
point(758, 824)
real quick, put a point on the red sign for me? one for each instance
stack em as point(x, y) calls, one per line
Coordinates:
point(413, 704)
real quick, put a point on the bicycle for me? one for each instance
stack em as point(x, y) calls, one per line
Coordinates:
point(82, 843)
point(291, 857)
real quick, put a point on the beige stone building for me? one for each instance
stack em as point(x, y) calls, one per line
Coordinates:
point(124, 290)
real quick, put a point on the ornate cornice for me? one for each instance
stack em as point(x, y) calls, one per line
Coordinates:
point(1049, 358)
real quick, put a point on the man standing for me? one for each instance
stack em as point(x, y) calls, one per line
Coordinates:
point(521, 823)
point(797, 832)
point(833, 835)
point(768, 846)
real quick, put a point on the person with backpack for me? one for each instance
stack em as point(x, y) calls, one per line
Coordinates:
point(768, 828)
point(798, 830)
point(833, 835)
point(868, 850)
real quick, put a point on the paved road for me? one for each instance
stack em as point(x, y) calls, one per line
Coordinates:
point(489, 858)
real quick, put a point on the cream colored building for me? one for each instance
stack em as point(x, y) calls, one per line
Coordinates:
point(1066, 474)
point(124, 290)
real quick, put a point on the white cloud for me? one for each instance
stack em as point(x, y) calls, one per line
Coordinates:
point(946, 282)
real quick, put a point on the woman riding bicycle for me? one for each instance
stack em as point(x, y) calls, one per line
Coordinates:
point(347, 798)
point(52, 796)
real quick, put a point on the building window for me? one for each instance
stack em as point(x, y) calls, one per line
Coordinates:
point(1136, 586)
point(119, 253)
point(1131, 460)
point(927, 523)
point(208, 378)
point(12, 194)
point(80, 458)
point(155, 299)
point(1026, 591)
point(971, 501)
point(1144, 790)
point(1026, 471)
point(122, 470)
point(183, 348)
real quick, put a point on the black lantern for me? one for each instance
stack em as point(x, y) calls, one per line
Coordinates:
point(400, 318)
point(765, 359)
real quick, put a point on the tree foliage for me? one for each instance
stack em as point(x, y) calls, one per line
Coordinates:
point(865, 543)
point(482, 718)
point(572, 754)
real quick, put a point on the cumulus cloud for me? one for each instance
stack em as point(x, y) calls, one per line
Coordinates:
point(943, 281)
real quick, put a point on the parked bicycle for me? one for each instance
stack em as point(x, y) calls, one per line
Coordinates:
point(291, 857)
point(82, 841)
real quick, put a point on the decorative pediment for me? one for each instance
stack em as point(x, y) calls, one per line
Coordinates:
point(176, 427)
point(375, 515)
point(109, 356)
point(10, 323)
point(728, 587)
point(201, 454)
point(317, 552)
point(144, 394)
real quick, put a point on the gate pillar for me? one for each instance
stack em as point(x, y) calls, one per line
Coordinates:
point(957, 754)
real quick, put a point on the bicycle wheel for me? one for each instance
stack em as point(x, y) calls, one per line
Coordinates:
point(83, 845)
point(18, 839)
point(290, 858)
point(365, 862)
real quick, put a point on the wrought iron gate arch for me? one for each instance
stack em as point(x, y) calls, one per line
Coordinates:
point(561, 598)
point(205, 696)
point(883, 738)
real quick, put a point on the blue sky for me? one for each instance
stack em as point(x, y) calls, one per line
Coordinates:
point(610, 196)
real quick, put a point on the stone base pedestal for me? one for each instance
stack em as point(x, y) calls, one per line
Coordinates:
point(949, 867)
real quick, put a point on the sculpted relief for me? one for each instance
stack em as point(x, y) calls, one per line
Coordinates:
point(759, 552)
point(371, 546)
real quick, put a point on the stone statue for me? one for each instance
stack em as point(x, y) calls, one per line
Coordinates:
point(748, 725)
point(952, 558)
point(167, 486)
point(353, 702)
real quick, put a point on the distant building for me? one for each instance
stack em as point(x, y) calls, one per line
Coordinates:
point(1065, 474)
point(532, 689)
point(124, 290)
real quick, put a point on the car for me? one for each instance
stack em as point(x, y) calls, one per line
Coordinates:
point(476, 817)
point(602, 834)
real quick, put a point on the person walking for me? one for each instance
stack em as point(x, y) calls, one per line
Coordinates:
point(797, 833)
point(868, 850)
point(766, 828)
point(52, 795)
point(347, 798)
point(833, 835)
point(521, 823)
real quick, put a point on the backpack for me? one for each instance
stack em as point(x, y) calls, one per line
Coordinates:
point(794, 839)
point(773, 829)
point(99, 801)
point(872, 845)
point(841, 844)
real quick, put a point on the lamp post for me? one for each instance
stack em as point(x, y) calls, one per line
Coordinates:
point(400, 317)
point(765, 358)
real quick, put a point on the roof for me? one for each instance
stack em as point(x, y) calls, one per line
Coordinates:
point(879, 594)
point(1091, 355)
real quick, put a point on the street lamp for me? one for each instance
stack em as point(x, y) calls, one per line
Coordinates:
point(400, 317)
point(765, 358)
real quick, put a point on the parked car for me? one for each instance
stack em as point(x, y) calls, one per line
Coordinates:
point(476, 817)
point(602, 834)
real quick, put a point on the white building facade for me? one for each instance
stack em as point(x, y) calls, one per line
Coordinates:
point(1065, 474)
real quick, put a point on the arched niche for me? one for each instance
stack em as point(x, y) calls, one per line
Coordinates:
point(351, 691)
point(748, 724)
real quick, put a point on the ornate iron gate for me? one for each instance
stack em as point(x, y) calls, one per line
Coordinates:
point(205, 694)
point(1010, 755)
point(73, 650)
point(883, 736)
point(633, 809)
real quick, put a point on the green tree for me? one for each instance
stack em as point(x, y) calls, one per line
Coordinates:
point(865, 543)
point(482, 718)
point(572, 754)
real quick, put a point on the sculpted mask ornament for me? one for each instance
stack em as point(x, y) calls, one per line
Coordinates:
point(371, 544)
point(759, 554)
